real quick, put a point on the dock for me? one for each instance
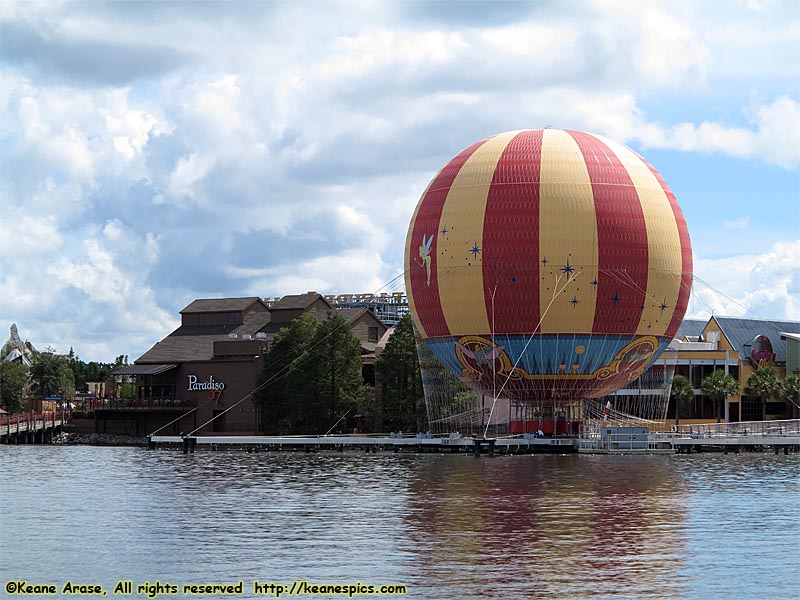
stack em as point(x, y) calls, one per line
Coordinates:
point(30, 427)
point(779, 436)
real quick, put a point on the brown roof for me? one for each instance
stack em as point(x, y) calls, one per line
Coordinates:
point(351, 315)
point(203, 305)
point(190, 343)
point(144, 369)
point(295, 301)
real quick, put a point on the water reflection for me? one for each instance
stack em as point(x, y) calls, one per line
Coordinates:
point(550, 525)
point(706, 526)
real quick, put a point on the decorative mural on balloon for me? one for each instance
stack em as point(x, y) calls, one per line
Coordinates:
point(548, 264)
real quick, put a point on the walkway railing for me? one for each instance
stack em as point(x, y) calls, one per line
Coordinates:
point(30, 422)
point(788, 428)
point(143, 404)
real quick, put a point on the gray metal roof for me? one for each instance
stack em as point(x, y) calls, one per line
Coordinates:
point(741, 332)
point(691, 328)
point(203, 305)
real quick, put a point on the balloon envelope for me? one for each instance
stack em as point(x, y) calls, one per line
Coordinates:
point(547, 264)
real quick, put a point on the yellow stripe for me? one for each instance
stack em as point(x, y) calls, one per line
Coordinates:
point(663, 243)
point(460, 270)
point(407, 261)
point(567, 234)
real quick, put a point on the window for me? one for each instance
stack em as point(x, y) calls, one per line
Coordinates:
point(234, 317)
point(202, 318)
point(372, 336)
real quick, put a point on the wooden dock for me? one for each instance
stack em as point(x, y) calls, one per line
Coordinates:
point(391, 443)
point(31, 427)
point(607, 439)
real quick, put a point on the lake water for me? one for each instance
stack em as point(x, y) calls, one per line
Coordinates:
point(445, 526)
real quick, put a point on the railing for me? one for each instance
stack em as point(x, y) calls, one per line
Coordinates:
point(605, 438)
point(789, 428)
point(29, 421)
point(143, 404)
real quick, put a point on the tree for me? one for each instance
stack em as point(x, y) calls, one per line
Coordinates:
point(763, 384)
point(312, 377)
point(13, 377)
point(285, 389)
point(337, 367)
point(718, 387)
point(50, 374)
point(790, 393)
point(682, 394)
point(402, 397)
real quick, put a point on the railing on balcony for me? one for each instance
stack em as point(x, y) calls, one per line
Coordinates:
point(143, 404)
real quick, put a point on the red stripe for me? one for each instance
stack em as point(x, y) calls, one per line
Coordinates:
point(622, 251)
point(686, 257)
point(427, 303)
point(511, 237)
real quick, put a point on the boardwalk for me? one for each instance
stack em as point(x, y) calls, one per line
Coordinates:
point(30, 427)
point(777, 435)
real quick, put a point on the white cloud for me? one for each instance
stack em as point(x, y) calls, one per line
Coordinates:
point(772, 137)
point(23, 235)
point(763, 286)
point(741, 223)
point(189, 170)
point(303, 136)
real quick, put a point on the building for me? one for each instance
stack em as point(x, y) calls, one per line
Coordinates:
point(739, 347)
point(202, 375)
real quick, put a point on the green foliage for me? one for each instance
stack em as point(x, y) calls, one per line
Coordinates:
point(287, 390)
point(763, 384)
point(83, 372)
point(718, 386)
point(789, 392)
point(51, 374)
point(683, 394)
point(13, 377)
point(402, 405)
point(338, 370)
point(312, 377)
point(127, 390)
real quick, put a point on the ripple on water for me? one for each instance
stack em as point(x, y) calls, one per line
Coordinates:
point(705, 526)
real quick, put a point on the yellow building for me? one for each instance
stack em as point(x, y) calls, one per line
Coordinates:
point(738, 347)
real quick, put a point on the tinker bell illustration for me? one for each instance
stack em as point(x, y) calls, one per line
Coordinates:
point(425, 255)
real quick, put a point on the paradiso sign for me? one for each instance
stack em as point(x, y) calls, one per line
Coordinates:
point(214, 387)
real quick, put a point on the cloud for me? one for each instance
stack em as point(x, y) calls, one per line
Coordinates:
point(55, 56)
point(741, 223)
point(163, 152)
point(772, 137)
point(762, 286)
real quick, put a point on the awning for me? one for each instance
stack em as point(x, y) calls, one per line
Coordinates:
point(143, 369)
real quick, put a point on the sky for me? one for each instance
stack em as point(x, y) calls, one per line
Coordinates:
point(152, 153)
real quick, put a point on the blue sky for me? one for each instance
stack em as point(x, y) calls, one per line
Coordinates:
point(153, 153)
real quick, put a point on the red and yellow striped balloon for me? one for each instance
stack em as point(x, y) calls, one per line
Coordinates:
point(559, 260)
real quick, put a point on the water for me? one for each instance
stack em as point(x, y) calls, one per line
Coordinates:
point(446, 526)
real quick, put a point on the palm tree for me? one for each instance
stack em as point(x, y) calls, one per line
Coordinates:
point(718, 386)
point(763, 384)
point(682, 393)
point(790, 393)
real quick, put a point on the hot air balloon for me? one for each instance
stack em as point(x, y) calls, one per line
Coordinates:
point(547, 265)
